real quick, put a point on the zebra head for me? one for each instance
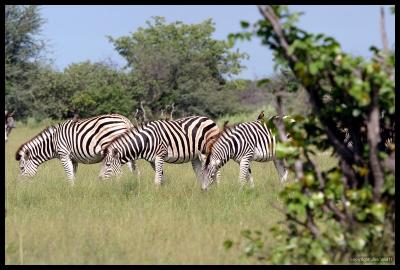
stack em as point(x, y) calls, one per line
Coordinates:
point(209, 170)
point(28, 166)
point(36, 151)
point(111, 164)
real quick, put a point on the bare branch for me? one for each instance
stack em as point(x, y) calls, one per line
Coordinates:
point(144, 111)
point(172, 111)
point(384, 37)
point(311, 225)
point(280, 125)
point(269, 14)
point(373, 140)
point(162, 117)
point(298, 165)
point(390, 163)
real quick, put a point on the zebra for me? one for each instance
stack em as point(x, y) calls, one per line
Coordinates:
point(9, 123)
point(171, 141)
point(72, 141)
point(244, 142)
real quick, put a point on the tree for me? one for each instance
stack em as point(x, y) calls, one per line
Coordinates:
point(180, 64)
point(348, 210)
point(23, 51)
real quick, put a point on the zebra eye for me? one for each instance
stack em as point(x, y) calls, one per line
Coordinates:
point(108, 164)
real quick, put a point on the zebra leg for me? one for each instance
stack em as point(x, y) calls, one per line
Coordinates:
point(153, 165)
point(69, 168)
point(74, 167)
point(218, 177)
point(158, 167)
point(196, 164)
point(133, 167)
point(282, 171)
point(244, 171)
point(249, 178)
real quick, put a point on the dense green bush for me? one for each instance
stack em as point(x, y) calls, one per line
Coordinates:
point(347, 212)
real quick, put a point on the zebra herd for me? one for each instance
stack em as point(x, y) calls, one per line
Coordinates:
point(113, 140)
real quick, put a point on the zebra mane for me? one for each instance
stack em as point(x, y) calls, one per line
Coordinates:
point(133, 128)
point(214, 139)
point(17, 156)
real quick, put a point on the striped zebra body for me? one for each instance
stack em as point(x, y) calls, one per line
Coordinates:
point(73, 142)
point(177, 141)
point(245, 142)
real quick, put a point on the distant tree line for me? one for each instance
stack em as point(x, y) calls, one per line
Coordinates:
point(169, 67)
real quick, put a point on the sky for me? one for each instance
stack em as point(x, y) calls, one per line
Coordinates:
point(79, 33)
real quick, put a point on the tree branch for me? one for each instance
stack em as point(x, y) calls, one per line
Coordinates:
point(384, 38)
point(269, 14)
point(373, 140)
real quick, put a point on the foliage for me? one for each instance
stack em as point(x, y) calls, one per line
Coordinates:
point(98, 88)
point(334, 215)
point(23, 49)
point(181, 64)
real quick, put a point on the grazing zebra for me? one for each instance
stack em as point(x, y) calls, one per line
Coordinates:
point(73, 141)
point(9, 123)
point(177, 141)
point(245, 142)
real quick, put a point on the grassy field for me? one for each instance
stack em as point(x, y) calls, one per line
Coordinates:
point(131, 221)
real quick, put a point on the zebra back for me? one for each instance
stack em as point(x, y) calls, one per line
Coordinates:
point(81, 139)
point(235, 141)
point(183, 138)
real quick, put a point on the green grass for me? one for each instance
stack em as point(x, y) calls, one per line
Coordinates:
point(131, 221)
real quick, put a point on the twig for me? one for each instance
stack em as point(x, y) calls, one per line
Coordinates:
point(172, 111)
point(144, 111)
point(269, 14)
point(384, 38)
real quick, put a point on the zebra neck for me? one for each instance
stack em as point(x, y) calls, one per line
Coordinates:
point(224, 155)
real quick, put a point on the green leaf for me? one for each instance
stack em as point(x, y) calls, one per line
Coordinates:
point(249, 250)
point(361, 215)
point(263, 82)
point(283, 150)
point(246, 233)
point(313, 68)
point(378, 211)
point(244, 24)
point(228, 244)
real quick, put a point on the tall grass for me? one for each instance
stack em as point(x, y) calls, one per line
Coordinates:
point(131, 221)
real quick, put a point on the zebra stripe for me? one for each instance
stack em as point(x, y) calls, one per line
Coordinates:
point(245, 142)
point(73, 141)
point(177, 141)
